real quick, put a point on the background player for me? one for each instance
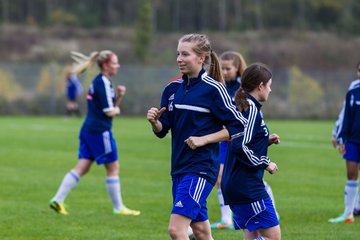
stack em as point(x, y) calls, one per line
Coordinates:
point(348, 140)
point(97, 143)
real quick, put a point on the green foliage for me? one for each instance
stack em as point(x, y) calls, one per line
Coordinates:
point(62, 17)
point(305, 95)
point(52, 80)
point(180, 15)
point(9, 89)
point(143, 33)
point(308, 187)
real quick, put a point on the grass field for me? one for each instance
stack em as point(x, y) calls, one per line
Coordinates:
point(37, 152)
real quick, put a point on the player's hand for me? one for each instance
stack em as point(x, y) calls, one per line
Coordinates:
point(274, 138)
point(341, 148)
point(121, 89)
point(272, 168)
point(153, 114)
point(334, 142)
point(195, 142)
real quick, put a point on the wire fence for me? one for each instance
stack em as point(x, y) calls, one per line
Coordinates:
point(39, 89)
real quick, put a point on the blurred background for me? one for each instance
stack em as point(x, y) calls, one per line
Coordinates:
point(312, 47)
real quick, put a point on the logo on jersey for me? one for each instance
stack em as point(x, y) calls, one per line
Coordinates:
point(90, 92)
point(170, 105)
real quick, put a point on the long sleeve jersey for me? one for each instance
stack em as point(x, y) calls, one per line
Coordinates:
point(231, 87)
point(340, 118)
point(242, 180)
point(197, 107)
point(349, 127)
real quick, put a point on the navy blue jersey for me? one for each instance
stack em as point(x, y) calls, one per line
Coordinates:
point(73, 87)
point(100, 99)
point(197, 107)
point(349, 127)
point(233, 86)
point(242, 180)
point(340, 119)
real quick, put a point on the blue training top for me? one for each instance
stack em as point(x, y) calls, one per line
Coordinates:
point(100, 99)
point(231, 87)
point(73, 87)
point(340, 118)
point(349, 126)
point(242, 180)
point(197, 107)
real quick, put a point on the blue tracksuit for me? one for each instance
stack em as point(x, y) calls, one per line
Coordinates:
point(231, 87)
point(349, 127)
point(242, 180)
point(100, 99)
point(197, 107)
point(341, 114)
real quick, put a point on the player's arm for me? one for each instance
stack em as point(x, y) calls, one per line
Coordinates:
point(120, 92)
point(153, 116)
point(106, 99)
point(195, 142)
point(252, 158)
point(274, 139)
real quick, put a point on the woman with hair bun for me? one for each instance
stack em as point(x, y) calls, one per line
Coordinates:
point(97, 143)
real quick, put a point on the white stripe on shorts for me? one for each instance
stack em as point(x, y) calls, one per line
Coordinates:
point(199, 189)
point(107, 143)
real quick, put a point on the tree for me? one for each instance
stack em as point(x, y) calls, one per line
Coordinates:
point(143, 30)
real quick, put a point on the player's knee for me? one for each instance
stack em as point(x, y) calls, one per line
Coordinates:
point(174, 232)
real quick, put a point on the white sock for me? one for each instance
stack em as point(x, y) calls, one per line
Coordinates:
point(351, 190)
point(113, 188)
point(357, 207)
point(226, 214)
point(69, 182)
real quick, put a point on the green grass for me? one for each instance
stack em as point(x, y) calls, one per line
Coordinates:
point(37, 152)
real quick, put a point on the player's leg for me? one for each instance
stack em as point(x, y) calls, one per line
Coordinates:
point(178, 227)
point(352, 185)
point(189, 205)
point(272, 233)
point(357, 205)
point(113, 187)
point(225, 222)
point(68, 183)
point(251, 235)
point(350, 193)
point(201, 230)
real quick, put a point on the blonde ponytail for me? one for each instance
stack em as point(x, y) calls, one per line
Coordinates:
point(215, 68)
point(82, 62)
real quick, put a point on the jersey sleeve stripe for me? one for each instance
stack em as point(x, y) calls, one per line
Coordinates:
point(226, 98)
point(192, 108)
point(247, 138)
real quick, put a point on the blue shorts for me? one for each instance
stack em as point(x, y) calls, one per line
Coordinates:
point(223, 151)
point(98, 147)
point(352, 152)
point(189, 197)
point(252, 216)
